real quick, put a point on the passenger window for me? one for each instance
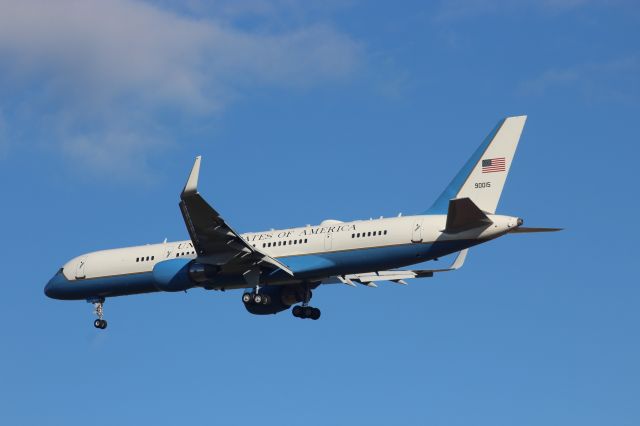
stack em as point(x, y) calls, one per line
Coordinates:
point(137, 259)
point(177, 254)
point(153, 257)
point(385, 232)
point(305, 241)
point(358, 235)
point(369, 234)
point(295, 241)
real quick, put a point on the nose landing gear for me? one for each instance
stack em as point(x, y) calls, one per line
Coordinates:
point(99, 311)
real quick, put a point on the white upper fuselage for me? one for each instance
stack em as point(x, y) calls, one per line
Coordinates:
point(329, 237)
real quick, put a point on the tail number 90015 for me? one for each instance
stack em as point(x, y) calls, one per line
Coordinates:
point(480, 185)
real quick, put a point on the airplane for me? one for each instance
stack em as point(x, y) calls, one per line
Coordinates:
point(281, 268)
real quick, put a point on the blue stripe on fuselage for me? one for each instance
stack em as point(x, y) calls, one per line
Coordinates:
point(306, 267)
point(59, 287)
point(371, 259)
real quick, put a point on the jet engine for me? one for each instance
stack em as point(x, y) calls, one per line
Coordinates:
point(275, 299)
point(181, 274)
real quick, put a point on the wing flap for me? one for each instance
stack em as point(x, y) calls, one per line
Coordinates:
point(398, 276)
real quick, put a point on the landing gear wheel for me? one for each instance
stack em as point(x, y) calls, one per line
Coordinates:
point(246, 298)
point(315, 314)
point(258, 299)
point(100, 323)
point(306, 312)
point(297, 311)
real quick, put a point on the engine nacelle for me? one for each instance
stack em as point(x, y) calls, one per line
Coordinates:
point(181, 274)
point(282, 297)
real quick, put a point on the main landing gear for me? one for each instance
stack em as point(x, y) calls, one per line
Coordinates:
point(305, 311)
point(99, 311)
point(256, 298)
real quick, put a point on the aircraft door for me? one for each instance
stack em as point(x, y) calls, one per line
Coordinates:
point(80, 268)
point(416, 234)
point(328, 241)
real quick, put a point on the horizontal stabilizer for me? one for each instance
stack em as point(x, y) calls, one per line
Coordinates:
point(524, 230)
point(463, 214)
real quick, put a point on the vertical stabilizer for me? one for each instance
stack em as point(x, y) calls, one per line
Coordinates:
point(483, 176)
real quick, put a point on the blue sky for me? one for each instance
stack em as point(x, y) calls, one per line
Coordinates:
point(304, 112)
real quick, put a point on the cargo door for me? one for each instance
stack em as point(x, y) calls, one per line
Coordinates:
point(328, 241)
point(416, 234)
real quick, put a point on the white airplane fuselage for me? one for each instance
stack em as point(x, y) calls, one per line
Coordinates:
point(313, 253)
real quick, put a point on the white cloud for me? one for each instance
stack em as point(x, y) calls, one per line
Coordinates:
point(460, 9)
point(611, 80)
point(101, 71)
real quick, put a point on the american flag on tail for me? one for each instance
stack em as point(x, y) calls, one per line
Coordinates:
point(492, 165)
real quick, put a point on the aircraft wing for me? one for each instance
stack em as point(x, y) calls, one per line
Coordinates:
point(398, 276)
point(216, 242)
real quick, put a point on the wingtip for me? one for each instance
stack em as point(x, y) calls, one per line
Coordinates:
point(459, 261)
point(192, 183)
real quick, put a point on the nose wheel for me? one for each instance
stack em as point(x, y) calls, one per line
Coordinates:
point(98, 309)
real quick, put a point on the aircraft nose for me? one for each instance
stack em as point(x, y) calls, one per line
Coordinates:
point(520, 221)
point(51, 289)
